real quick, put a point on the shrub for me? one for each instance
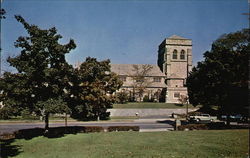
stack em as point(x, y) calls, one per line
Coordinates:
point(7, 136)
point(121, 97)
point(5, 113)
point(212, 125)
point(29, 133)
point(123, 128)
point(26, 114)
point(89, 129)
point(60, 131)
point(105, 116)
point(193, 127)
point(146, 98)
point(216, 125)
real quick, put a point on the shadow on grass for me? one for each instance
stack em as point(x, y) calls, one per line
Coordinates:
point(8, 150)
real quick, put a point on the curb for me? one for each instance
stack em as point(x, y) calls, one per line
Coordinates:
point(157, 130)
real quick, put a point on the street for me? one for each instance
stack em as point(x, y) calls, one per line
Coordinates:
point(144, 124)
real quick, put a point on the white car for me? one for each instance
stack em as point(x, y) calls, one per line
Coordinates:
point(202, 118)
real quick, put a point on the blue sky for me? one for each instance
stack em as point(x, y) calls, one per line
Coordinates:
point(124, 31)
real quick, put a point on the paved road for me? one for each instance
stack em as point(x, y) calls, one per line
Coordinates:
point(144, 124)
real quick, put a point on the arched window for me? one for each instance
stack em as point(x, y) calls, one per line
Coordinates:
point(182, 56)
point(175, 54)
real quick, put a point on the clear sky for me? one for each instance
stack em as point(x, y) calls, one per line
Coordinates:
point(125, 31)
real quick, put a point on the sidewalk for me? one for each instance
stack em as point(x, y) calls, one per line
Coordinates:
point(157, 130)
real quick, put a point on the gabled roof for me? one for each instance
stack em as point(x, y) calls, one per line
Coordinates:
point(128, 69)
point(177, 37)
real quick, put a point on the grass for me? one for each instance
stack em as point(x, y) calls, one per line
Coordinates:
point(189, 144)
point(145, 105)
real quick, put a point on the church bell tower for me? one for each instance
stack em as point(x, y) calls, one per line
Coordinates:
point(175, 60)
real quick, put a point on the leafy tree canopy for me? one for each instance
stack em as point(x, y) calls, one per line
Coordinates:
point(222, 78)
point(43, 73)
point(92, 90)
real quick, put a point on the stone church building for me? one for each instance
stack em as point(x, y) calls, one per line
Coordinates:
point(166, 79)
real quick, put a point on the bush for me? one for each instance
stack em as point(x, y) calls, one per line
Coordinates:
point(212, 125)
point(26, 114)
point(5, 113)
point(89, 129)
point(55, 132)
point(193, 127)
point(60, 131)
point(121, 97)
point(29, 133)
point(105, 116)
point(147, 99)
point(123, 128)
point(7, 136)
point(216, 125)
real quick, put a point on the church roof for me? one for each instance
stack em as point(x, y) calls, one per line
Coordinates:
point(128, 69)
point(177, 37)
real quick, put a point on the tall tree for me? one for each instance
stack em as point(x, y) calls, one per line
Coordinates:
point(92, 90)
point(222, 78)
point(140, 79)
point(2, 16)
point(42, 78)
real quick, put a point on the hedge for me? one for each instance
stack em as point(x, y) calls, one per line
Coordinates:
point(29, 133)
point(212, 125)
point(192, 127)
point(123, 128)
point(60, 131)
point(7, 136)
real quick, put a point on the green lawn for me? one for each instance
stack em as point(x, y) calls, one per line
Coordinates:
point(189, 144)
point(149, 105)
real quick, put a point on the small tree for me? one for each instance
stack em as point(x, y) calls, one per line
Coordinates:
point(140, 79)
point(92, 90)
point(43, 73)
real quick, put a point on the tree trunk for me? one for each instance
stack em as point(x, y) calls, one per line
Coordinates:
point(228, 120)
point(46, 122)
point(187, 111)
point(66, 121)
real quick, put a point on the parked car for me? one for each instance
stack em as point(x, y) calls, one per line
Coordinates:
point(202, 118)
point(233, 118)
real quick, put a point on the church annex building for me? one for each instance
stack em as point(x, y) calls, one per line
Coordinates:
point(166, 79)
